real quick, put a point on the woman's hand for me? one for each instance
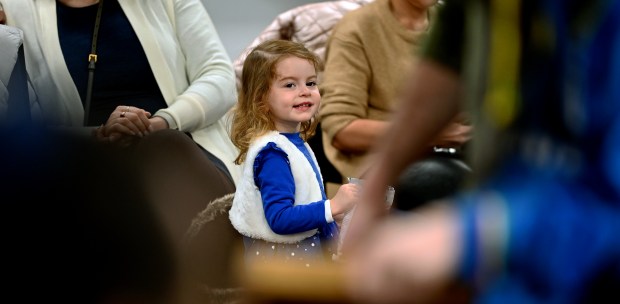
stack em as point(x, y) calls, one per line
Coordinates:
point(158, 123)
point(125, 122)
point(455, 134)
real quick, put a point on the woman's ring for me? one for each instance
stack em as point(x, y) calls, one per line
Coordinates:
point(123, 114)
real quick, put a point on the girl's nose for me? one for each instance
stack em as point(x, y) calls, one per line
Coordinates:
point(304, 91)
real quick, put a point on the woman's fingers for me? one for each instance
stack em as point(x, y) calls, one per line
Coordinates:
point(124, 123)
point(122, 126)
point(135, 119)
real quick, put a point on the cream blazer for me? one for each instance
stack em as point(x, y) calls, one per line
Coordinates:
point(10, 41)
point(189, 61)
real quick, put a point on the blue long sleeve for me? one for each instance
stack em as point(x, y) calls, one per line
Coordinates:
point(274, 178)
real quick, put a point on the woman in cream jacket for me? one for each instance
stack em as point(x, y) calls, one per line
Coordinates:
point(189, 64)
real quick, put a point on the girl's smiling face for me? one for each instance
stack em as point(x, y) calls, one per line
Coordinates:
point(294, 96)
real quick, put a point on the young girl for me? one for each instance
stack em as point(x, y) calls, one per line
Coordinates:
point(280, 205)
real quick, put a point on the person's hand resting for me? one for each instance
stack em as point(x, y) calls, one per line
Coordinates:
point(126, 123)
point(456, 133)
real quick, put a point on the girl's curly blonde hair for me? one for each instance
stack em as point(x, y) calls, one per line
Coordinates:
point(251, 117)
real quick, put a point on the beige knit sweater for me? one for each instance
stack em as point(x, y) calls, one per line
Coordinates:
point(368, 55)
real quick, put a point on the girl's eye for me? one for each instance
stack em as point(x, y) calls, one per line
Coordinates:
point(311, 84)
point(289, 85)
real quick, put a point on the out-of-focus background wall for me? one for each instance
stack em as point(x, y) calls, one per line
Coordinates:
point(239, 21)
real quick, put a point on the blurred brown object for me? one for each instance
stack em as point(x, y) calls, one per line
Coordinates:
point(210, 248)
point(193, 200)
point(275, 282)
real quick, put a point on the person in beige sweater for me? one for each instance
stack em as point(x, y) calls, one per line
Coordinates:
point(367, 58)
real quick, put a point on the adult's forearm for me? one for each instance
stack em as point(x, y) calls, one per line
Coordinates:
point(427, 106)
point(360, 135)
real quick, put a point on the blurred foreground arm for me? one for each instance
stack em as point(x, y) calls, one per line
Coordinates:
point(412, 259)
point(428, 105)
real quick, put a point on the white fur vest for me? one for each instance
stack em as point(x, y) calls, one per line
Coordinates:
point(247, 214)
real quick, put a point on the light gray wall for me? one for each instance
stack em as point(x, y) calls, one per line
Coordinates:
point(238, 22)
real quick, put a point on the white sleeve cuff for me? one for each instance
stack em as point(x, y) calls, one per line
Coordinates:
point(168, 118)
point(328, 212)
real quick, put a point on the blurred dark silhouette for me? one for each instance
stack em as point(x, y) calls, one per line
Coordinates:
point(77, 226)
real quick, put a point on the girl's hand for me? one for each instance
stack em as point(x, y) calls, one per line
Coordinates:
point(344, 200)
